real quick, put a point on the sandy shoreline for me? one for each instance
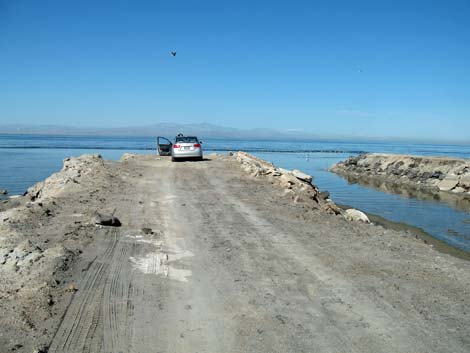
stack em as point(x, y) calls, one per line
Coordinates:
point(230, 247)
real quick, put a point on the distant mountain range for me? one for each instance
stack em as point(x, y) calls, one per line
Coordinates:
point(203, 130)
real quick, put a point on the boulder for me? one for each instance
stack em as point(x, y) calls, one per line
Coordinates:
point(356, 215)
point(3, 192)
point(464, 181)
point(447, 184)
point(302, 176)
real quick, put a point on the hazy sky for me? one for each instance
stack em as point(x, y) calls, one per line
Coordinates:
point(377, 68)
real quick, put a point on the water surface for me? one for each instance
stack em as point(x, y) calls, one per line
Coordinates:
point(27, 159)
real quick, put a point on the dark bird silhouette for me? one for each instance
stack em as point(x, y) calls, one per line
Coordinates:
point(173, 53)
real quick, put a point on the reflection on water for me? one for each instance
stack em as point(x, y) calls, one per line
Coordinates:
point(459, 202)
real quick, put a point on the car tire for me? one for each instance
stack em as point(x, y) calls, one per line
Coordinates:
point(173, 159)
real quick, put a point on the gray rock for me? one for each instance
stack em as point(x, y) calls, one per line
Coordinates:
point(436, 175)
point(3, 192)
point(105, 220)
point(324, 195)
point(425, 176)
point(465, 181)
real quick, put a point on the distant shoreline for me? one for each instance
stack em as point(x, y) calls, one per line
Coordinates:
point(238, 135)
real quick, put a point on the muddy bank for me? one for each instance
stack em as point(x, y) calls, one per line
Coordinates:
point(417, 233)
point(428, 174)
point(225, 255)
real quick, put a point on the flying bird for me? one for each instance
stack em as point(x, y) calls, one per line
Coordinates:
point(173, 53)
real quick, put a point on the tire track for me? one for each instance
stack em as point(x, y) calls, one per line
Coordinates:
point(116, 300)
point(78, 330)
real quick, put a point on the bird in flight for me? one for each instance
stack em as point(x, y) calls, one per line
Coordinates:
point(173, 53)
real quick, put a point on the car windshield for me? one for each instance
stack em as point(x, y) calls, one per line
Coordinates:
point(189, 139)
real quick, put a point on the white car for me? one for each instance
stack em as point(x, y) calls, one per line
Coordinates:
point(186, 147)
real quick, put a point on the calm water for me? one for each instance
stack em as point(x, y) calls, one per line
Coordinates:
point(27, 159)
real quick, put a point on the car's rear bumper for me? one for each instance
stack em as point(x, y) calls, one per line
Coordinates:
point(187, 154)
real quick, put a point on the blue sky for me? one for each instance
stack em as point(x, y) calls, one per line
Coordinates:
point(351, 68)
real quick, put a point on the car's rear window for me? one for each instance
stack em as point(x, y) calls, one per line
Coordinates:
point(189, 139)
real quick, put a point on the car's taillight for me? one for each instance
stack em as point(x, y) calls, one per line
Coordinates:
point(176, 146)
point(197, 145)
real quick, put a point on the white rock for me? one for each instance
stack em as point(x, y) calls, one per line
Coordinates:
point(356, 215)
point(447, 184)
point(302, 176)
point(288, 180)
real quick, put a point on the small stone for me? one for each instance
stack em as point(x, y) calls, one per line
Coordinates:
point(3, 192)
point(105, 220)
point(50, 301)
point(42, 349)
point(71, 288)
point(287, 180)
point(331, 208)
point(147, 231)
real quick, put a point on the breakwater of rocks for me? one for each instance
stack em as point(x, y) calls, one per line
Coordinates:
point(435, 174)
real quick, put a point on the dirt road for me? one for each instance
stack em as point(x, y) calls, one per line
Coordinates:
point(209, 259)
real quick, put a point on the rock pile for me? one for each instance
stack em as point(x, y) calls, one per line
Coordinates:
point(433, 173)
point(73, 170)
point(296, 184)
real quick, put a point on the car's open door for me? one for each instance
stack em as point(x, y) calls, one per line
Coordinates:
point(163, 146)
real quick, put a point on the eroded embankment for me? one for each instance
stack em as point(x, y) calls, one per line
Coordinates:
point(41, 235)
point(432, 174)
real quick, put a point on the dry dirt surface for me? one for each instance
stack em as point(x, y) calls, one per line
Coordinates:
point(214, 256)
